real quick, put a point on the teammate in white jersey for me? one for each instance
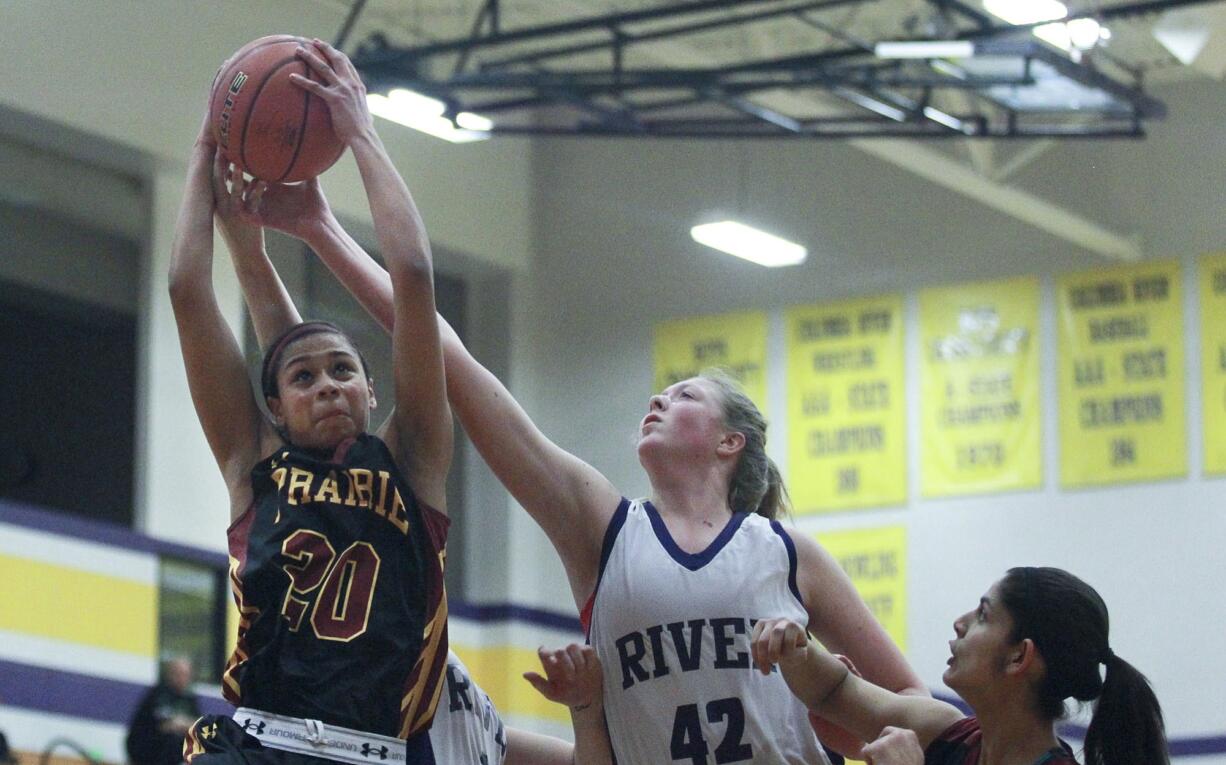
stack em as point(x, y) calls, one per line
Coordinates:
point(702, 444)
point(468, 731)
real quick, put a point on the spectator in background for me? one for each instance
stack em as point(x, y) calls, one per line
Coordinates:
point(155, 736)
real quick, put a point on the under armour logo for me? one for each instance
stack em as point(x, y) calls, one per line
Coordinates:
point(208, 731)
point(368, 750)
point(248, 725)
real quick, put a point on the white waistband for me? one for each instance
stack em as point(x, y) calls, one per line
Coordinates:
point(293, 734)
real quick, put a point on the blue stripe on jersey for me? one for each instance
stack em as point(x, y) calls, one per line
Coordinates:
point(610, 537)
point(692, 561)
point(788, 543)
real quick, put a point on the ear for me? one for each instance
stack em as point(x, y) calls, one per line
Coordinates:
point(731, 444)
point(370, 392)
point(1024, 658)
point(274, 408)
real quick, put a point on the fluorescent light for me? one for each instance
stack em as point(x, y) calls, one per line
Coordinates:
point(1079, 34)
point(749, 243)
point(470, 121)
point(419, 112)
point(1026, 11)
point(1084, 33)
point(925, 49)
point(1056, 34)
point(948, 120)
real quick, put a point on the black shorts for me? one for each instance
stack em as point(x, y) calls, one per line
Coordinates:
point(218, 740)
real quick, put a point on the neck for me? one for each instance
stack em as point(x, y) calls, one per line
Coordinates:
point(1013, 735)
point(692, 495)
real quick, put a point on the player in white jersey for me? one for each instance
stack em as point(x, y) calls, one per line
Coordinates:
point(468, 730)
point(703, 446)
point(674, 629)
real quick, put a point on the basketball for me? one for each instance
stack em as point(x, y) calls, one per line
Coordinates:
point(266, 125)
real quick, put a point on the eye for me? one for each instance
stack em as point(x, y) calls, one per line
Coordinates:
point(344, 368)
point(687, 394)
point(302, 375)
point(980, 615)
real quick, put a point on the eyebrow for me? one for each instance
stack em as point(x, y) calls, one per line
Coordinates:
point(304, 356)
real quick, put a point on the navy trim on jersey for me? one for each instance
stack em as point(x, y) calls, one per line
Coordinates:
point(692, 561)
point(610, 537)
point(791, 546)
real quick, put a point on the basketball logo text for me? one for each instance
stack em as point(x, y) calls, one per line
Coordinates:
point(223, 123)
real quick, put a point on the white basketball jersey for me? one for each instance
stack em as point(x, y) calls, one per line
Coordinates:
point(672, 631)
point(467, 729)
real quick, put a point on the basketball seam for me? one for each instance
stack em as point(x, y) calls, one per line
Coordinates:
point(242, 146)
point(228, 74)
point(306, 110)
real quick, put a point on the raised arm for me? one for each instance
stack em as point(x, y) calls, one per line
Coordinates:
point(422, 424)
point(570, 500)
point(830, 689)
point(239, 206)
point(216, 374)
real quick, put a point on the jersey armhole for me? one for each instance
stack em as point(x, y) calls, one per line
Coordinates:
point(790, 546)
point(606, 549)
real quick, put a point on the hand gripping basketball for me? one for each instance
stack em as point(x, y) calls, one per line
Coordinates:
point(340, 87)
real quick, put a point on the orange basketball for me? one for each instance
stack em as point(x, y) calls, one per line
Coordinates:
point(266, 125)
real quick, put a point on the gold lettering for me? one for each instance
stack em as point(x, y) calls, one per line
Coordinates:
point(363, 484)
point(278, 475)
point(328, 490)
point(381, 507)
point(299, 486)
point(398, 516)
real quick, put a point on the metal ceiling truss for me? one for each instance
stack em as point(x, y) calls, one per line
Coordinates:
point(518, 77)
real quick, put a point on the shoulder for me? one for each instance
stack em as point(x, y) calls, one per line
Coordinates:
point(963, 732)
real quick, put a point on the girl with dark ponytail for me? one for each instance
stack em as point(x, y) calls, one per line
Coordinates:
point(1038, 637)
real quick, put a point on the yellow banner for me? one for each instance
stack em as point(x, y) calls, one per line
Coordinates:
point(979, 384)
point(876, 561)
point(735, 342)
point(846, 408)
point(1121, 375)
point(1213, 360)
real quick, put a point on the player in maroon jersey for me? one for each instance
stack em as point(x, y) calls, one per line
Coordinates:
point(338, 533)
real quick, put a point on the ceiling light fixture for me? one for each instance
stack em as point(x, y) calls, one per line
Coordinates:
point(925, 49)
point(1026, 11)
point(411, 109)
point(749, 243)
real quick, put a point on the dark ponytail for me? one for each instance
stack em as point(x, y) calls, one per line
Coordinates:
point(756, 485)
point(1127, 726)
point(1067, 621)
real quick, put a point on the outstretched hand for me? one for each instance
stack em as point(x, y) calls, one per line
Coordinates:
point(572, 676)
point(341, 89)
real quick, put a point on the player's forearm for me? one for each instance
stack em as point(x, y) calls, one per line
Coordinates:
point(191, 260)
point(814, 677)
point(356, 270)
point(271, 309)
point(592, 746)
point(398, 224)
